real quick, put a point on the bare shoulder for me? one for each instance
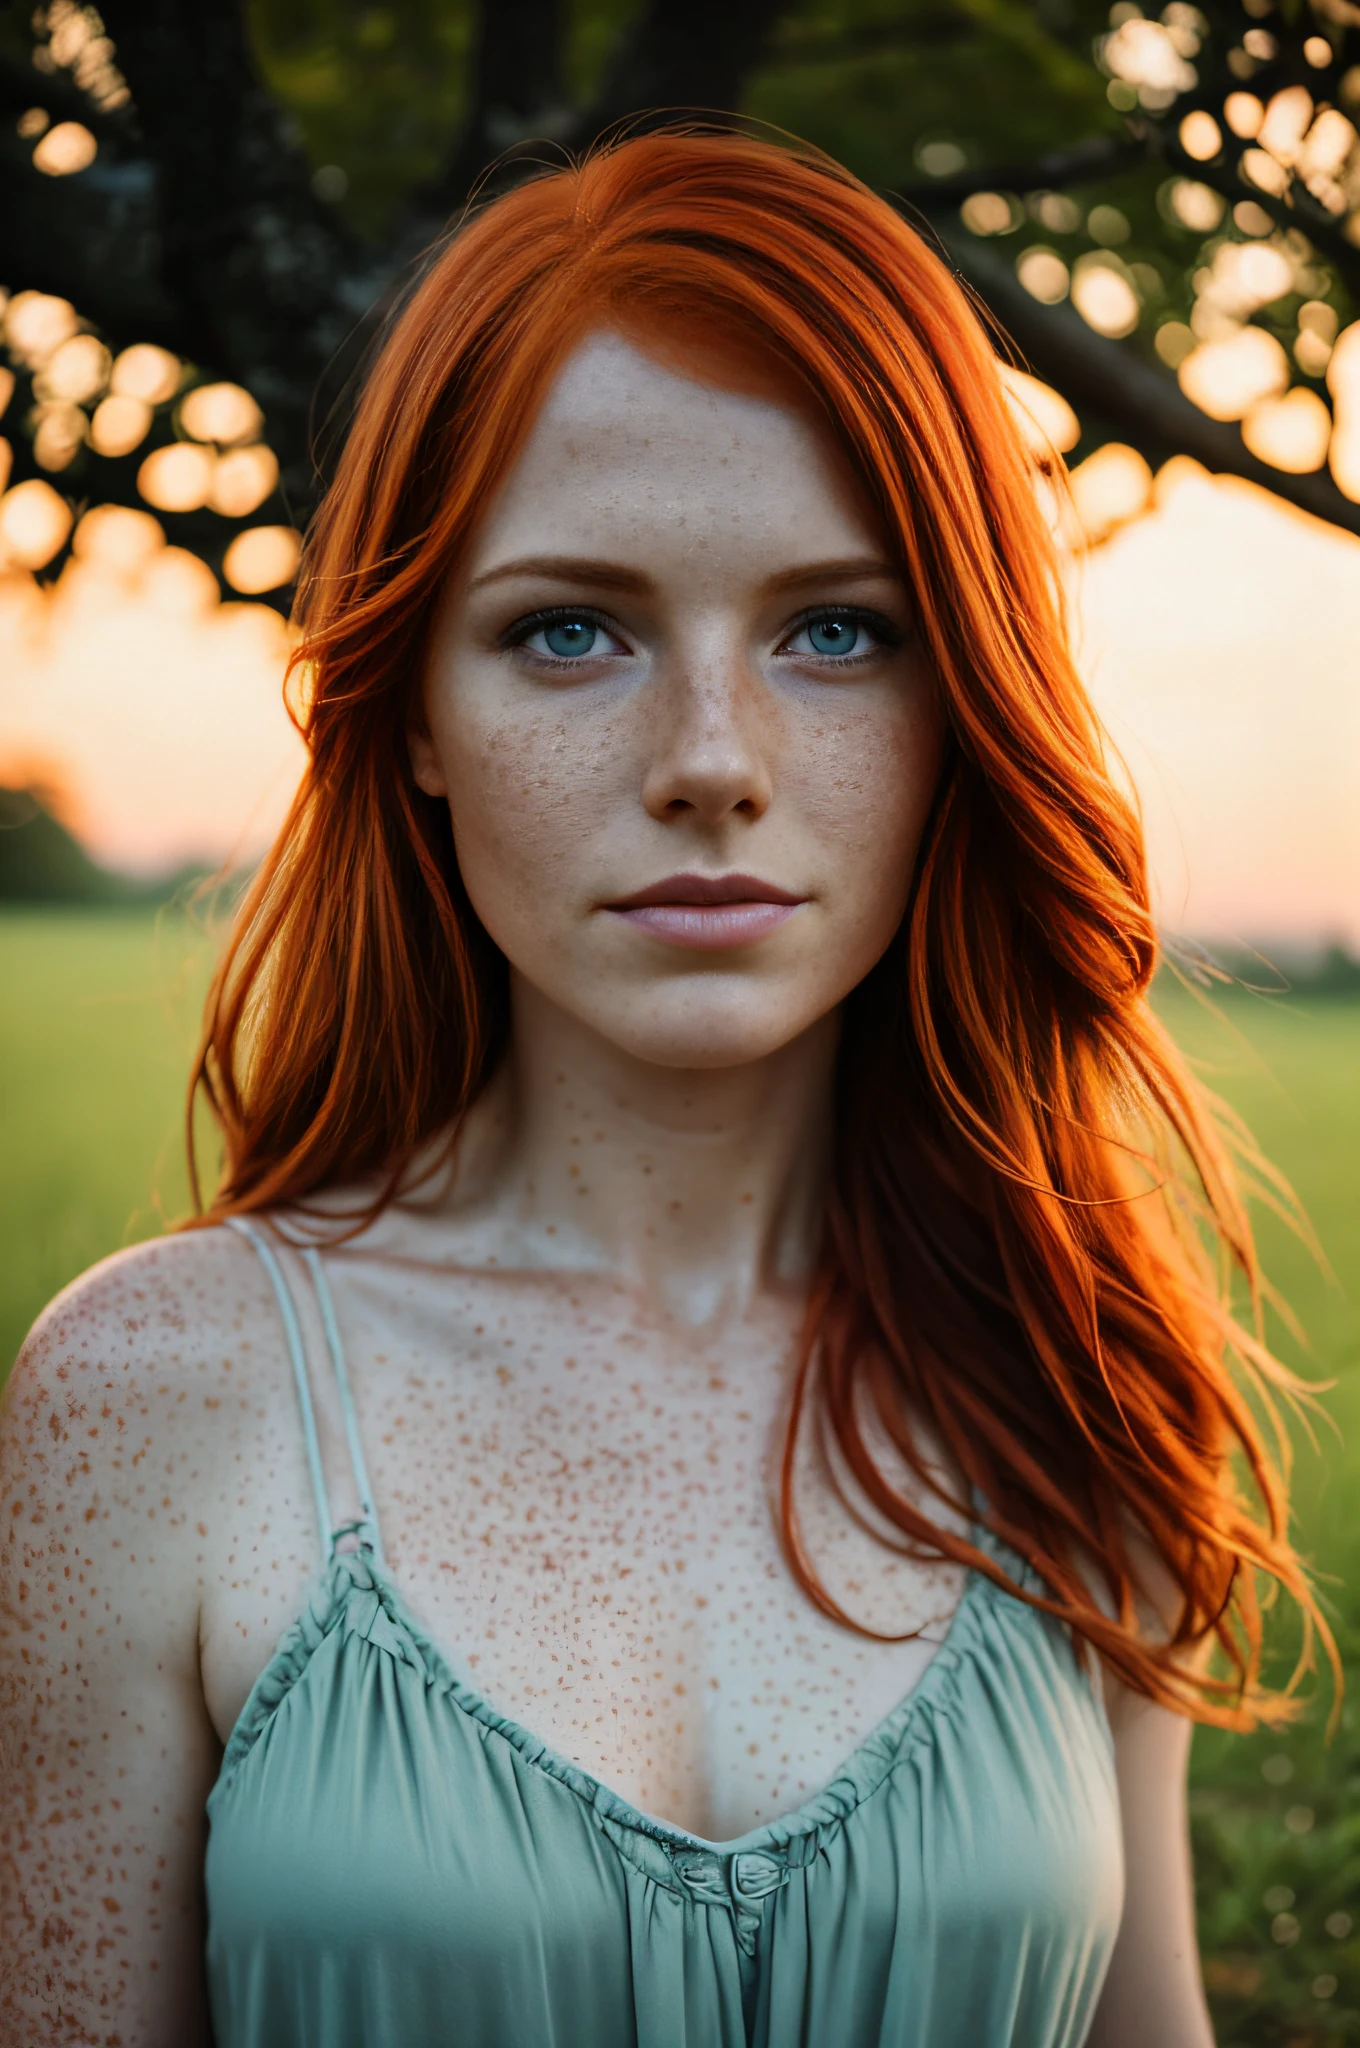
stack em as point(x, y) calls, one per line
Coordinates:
point(124, 1400)
point(116, 1453)
point(151, 1331)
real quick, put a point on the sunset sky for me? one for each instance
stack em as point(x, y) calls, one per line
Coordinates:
point(1220, 635)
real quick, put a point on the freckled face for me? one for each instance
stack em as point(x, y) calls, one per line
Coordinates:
point(686, 733)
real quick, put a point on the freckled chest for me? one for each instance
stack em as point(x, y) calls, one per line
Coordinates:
point(578, 1502)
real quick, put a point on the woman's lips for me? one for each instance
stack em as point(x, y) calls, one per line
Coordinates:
point(708, 912)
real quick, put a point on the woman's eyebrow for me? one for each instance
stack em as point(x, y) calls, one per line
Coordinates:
point(567, 569)
point(854, 569)
point(601, 575)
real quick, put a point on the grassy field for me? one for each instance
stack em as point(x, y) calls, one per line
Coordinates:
point(97, 1022)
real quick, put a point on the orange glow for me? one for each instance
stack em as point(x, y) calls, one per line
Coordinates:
point(1343, 381)
point(6, 388)
point(178, 584)
point(1044, 275)
point(1197, 206)
point(242, 480)
point(119, 425)
point(1226, 378)
point(60, 433)
point(118, 538)
point(146, 372)
point(263, 558)
point(34, 523)
point(78, 370)
point(1046, 420)
point(6, 462)
point(987, 213)
point(1290, 433)
point(1286, 122)
point(1110, 487)
point(36, 324)
point(1265, 172)
point(1201, 136)
point(1103, 294)
point(176, 478)
point(66, 148)
point(224, 413)
point(1244, 114)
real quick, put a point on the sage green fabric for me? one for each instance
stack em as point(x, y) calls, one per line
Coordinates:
point(393, 1864)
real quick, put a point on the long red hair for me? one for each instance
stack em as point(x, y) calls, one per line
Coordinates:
point(1029, 1200)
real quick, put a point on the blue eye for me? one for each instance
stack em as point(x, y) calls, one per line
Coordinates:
point(832, 635)
point(565, 637)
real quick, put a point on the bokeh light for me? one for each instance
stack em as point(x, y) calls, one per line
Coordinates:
point(1265, 172)
point(1343, 381)
point(242, 480)
point(1287, 119)
point(1225, 379)
point(263, 558)
point(1173, 342)
point(34, 523)
point(1290, 433)
point(118, 538)
point(224, 413)
point(64, 149)
point(1200, 136)
point(146, 372)
point(119, 425)
point(1043, 415)
point(1197, 207)
point(1244, 114)
point(59, 435)
point(988, 213)
point(178, 585)
point(36, 324)
point(1057, 212)
point(78, 370)
point(1111, 487)
point(176, 478)
point(1043, 274)
point(1104, 296)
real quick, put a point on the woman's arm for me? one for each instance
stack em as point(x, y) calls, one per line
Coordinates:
point(1153, 1993)
point(106, 1751)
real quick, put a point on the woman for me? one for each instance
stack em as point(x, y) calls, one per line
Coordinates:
point(695, 1134)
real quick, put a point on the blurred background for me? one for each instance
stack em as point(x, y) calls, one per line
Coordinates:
point(206, 207)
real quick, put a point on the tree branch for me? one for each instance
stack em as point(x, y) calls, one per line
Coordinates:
point(519, 94)
point(1144, 404)
point(268, 281)
point(694, 55)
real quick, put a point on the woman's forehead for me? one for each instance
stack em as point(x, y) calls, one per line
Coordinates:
point(625, 443)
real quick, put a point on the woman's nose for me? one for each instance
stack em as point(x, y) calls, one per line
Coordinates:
point(712, 742)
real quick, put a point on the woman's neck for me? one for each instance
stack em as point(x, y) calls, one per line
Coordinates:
point(700, 1188)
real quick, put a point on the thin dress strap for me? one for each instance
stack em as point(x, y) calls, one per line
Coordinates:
point(293, 1332)
point(367, 1526)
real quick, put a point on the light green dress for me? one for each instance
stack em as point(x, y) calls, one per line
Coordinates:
point(394, 1864)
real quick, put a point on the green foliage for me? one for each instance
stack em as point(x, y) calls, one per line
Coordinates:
point(377, 92)
point(872, 80)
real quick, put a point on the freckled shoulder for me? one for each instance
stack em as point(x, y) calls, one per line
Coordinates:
point(138, 1379)
point(130, 1442)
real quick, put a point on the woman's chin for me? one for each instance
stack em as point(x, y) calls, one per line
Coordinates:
point(688, 1033)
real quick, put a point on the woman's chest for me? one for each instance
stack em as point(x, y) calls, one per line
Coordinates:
point(584, 1518)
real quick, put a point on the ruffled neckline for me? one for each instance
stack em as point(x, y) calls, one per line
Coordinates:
point(356, 1594)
